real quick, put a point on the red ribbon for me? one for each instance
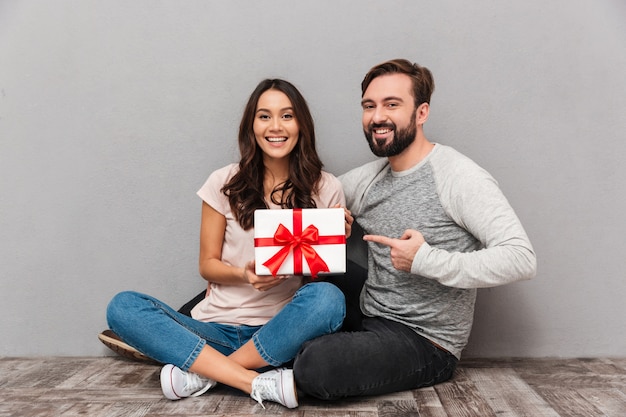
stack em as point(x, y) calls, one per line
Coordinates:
point(300, 242)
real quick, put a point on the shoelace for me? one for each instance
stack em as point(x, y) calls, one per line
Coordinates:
point(265, 389)
point(193, 382)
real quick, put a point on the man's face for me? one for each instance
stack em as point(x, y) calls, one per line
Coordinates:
point(389, 114)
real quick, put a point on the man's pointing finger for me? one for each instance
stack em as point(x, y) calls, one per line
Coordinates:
point(379, 239)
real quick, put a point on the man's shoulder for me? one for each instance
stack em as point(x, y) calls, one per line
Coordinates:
point(450, 161)
point(446, 152)
point(455, 173)
point(357, 181)
point(369, 169)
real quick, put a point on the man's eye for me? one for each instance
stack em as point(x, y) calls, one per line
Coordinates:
point(367, 107)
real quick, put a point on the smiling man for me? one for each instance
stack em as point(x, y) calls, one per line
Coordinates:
point(437, 227)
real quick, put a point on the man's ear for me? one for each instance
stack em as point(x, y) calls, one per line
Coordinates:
point(421, 113)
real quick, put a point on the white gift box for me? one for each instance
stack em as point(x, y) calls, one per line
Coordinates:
point(300, 241)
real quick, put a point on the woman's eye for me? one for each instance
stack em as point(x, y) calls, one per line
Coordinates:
point(288, 116)
point(264, 117)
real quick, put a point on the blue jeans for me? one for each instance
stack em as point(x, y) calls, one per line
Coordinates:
point(167, 336)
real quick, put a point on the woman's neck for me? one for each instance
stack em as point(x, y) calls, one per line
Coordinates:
point(276, 173)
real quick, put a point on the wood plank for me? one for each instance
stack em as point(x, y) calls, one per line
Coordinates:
point(569, 403)
point(428, 403)
point(390, 408)
point(610, 402)
point(460, 398)
point(561, 373)
point(507, 394)
point(114, 386)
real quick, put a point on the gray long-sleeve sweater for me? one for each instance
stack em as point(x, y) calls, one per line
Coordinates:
point(473, 239)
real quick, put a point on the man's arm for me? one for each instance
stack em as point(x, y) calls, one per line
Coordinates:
point(473, 199)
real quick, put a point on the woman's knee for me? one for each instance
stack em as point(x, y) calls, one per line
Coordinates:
point(121, 307)
point(325, 293)
point(329, 300)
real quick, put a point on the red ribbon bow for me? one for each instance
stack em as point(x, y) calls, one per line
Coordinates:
point(300, 242)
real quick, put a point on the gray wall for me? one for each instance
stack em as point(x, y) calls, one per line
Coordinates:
point(112, 114)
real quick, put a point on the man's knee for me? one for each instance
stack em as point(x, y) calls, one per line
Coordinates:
point(306, 371)
point(315, 367)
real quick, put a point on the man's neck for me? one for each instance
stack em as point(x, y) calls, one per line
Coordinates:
point(412, 155)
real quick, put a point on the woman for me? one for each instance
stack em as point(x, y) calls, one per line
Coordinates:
point(246, 322)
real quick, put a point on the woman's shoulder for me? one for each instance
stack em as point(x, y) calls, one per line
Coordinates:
point(329, 191)
point(227, 170)
point(327, 179)
point(223, 174)
point(216, 180)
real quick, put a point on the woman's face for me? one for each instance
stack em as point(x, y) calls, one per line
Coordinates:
point(275, 126)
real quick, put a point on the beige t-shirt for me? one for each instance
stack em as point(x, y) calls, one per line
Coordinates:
point(242, 304)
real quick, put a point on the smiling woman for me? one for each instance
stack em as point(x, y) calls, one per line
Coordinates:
point(276, 132)
point(246, 321)
point(274, 106)
point(276, 125)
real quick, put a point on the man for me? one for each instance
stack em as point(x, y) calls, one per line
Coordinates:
point(437, 228)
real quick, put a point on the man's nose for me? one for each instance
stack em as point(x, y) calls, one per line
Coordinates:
point(379, 115)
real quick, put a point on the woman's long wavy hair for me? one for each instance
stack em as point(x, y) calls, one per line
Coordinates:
point(245, 189)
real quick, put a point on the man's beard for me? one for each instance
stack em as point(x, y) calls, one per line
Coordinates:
point(401, 138)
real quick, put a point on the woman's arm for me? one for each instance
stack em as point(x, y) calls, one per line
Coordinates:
point(211, 267)
point(212, 230)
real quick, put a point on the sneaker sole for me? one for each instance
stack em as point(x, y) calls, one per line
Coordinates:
point(117, 345)
point(166, 383)
point(289, 382)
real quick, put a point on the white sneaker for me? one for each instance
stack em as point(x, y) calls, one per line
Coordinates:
point(177, 384)
point(276, 385)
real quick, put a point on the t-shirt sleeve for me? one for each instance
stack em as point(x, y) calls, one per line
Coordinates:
point(211, 190)
point(330, 192)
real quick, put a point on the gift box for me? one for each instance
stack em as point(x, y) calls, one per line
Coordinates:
point(300, 241)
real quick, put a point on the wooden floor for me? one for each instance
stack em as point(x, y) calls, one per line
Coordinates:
point(115, 386)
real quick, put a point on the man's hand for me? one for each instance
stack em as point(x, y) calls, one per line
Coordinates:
point(403, 250)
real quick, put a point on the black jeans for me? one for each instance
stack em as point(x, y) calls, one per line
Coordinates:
point(370, 356)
